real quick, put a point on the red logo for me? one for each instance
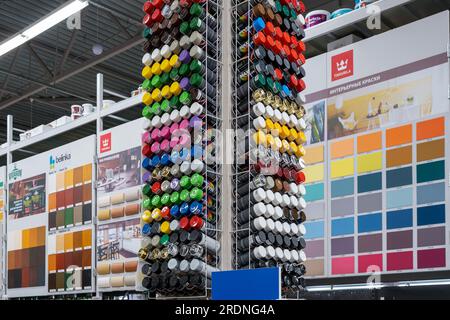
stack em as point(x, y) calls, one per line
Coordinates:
point(105, 143)
point(342, 65)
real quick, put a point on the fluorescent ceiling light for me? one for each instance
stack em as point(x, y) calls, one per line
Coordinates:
point(12, 43)
point(47, 22)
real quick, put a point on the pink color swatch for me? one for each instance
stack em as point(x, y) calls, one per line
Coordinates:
point(370, 263)
point(399, 261)
point(344, 265)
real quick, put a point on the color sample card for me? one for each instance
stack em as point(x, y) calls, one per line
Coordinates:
point(71, 203)
point(26, 258)
point(70, 261)
point(27, 197)
point(315, 196)
point(387, 202)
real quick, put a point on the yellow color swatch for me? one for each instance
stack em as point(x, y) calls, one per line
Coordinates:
point(342, 168)
point(68, 179)
point(26, 242)
point(313, 155)
point(370, 162)
point(314, 173)
point(68, 241)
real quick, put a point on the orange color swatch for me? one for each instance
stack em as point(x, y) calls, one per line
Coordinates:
point(52, 202)
point(343, 148)
point(314, 155)
point(431, 129)
point(87, 173)
point(398, 136)
point(87, 238)
point(78, 176)
point(369, 142)
point(52, 262)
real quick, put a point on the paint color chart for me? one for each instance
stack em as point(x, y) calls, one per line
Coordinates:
point(70, 204)
point(26, 258)
point(315, 197)
point(386, 208)
point(118, 208)
point(70, 261)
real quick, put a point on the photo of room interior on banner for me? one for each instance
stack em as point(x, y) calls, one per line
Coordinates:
point(376, 155)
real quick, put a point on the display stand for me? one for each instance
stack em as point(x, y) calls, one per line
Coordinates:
point(267, 179)
point(181, 221)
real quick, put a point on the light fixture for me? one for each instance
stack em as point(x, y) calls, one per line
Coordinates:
point(47, 22)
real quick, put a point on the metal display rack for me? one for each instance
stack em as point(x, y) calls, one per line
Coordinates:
point(211, 97)
point(248, 157)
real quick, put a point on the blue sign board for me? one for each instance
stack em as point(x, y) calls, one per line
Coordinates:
point(254, 284)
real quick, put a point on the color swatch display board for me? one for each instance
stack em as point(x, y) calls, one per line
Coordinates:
point(118, 206)
point(378, 155)
point(49, 229)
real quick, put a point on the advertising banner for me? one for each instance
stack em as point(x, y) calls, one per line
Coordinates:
point(118, 206)
point(377, 183)
point(50, 222)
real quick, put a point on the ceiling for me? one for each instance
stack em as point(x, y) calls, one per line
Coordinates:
point(40, 80)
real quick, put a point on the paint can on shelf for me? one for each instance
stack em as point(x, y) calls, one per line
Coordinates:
point(340, 12)
point(363, 3)
point(316, 17)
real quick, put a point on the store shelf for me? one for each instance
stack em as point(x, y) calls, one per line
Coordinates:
point(119, 106)
point(394, 14)
point(122, 105)
point(350, 19)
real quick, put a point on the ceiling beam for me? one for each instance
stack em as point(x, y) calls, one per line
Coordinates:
point(40, 61)
point(67, 52)
point(99, 68)
point(39, 83)
point(10, 69)
point(116, 13)
point(76, 70)
point(125, 30)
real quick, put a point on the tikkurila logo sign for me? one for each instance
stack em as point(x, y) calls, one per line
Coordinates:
point(105, 143)
point(342, 65)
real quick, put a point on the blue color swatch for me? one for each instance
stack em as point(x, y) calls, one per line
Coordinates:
point(431, 193)
point(370, 182)
point(399, 177)
point(342, 188)
point(400, 219)
point(314, 192)
point(431, 215)
point(341, 227)
point(314, 229)
point(399, 198)
point(370, 223)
